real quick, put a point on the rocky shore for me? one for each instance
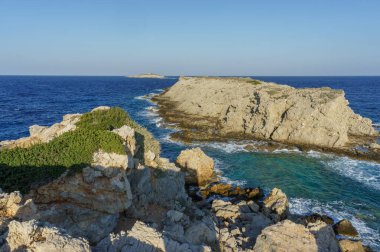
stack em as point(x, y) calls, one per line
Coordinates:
point(126, 197)
point(213, 108)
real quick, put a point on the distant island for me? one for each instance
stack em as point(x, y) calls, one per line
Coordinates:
point(147, 75)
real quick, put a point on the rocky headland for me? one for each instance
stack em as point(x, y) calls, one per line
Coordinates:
point(148, 75)
point(215, 108)
point(96, 182)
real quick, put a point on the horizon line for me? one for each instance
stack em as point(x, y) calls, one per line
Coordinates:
point(127, 76)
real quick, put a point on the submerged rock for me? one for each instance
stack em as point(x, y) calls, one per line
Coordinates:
point(345, 228)
point(198, 167)
point(228, 190)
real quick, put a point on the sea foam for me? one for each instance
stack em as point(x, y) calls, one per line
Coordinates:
point(364, 172)
point(338, 211)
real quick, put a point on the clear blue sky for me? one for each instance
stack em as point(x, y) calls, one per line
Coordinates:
point(194, 37)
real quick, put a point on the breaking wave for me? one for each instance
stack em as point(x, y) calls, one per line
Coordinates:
point(364, 172)
point(336, 210)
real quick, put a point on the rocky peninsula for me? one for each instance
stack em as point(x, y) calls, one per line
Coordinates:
point(215, 108)
point(148, 75)
point(96, 182)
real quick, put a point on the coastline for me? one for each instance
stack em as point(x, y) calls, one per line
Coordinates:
point(231, 206)
point(194, 127)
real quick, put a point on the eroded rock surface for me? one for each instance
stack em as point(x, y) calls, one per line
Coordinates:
point(43, 134)
point(285, 235)
point(197, 166)
point(122, 203)
point(241, 106)
point(276, 205)
point(38, 237)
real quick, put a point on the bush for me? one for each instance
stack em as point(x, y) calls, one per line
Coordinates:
point(254, 82)
point(20, 168)
point(109, 119)
point(115, 118)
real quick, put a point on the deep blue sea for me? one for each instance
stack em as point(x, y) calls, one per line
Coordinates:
point(338, 186)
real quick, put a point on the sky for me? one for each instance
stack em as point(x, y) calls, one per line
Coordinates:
point(190, 37)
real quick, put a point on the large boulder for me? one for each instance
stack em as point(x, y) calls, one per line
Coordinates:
point(324, 236)
point(79, 221)
point(202, 232)
point(163, 187)
point(351, 246)
point(239, 223)
point(286, 236)
point(345, 228)
point(142, 238)
point(38, 237)
point(12, 205)
point(104, 161)
point(197, 166)
point(276, 205)
point(104, 190)
point(87, 203)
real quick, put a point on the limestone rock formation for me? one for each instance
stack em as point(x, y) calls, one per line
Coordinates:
point(100, 108)
point(228, 190)
point(106, 190)
point(38, 237)
point(42, 134)
point(345, 228)
point(12, 205)
point(285, 235)
point(107, 161)
point(122, 203)
point(251, 108)
point(239, 223)
point(142, 238)
point(88, 203)
point(276, 205)
point(351, 246)
point(324, 236)
point(128, 135)
point(198, 167)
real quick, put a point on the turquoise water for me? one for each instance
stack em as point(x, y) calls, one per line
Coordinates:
point(338, 186)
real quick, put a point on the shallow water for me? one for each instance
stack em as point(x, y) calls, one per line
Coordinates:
point(338, 186)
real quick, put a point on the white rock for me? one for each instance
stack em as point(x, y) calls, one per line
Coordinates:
point(32, 236)
point(101, 108)
point(198, 167)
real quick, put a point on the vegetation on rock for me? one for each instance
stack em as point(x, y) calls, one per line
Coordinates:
point(20, 168)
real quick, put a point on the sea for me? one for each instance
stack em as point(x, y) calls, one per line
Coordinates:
point(315, 182)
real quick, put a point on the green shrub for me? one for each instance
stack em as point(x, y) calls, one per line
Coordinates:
point(254, 82)
point(20, 168)
point(115, 118)
point(104, 119)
